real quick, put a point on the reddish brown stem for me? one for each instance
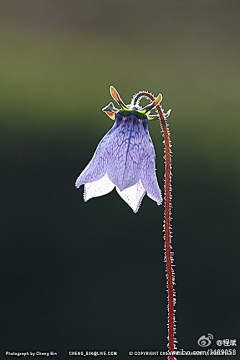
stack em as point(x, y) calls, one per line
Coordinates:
point(167, 226)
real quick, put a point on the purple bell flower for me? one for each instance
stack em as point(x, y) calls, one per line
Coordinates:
point(125, 157)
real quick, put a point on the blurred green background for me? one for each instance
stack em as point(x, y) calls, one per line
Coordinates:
point(91, 276)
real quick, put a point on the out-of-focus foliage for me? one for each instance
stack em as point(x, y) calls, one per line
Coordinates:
point(57, 62)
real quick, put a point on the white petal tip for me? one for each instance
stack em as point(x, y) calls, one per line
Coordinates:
point(133, 195)
point(77, 185)
point(98, 188)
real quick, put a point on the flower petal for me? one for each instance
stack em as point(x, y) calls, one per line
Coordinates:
point(133, 195)
point(97, 167)
point(148, 172)
point(124, 146)
point(149, 181)
point(98, 188)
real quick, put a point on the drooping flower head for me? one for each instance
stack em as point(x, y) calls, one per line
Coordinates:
point(125, 157)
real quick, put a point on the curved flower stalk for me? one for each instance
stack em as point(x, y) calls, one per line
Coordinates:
point(168, 256)
point(125, 157)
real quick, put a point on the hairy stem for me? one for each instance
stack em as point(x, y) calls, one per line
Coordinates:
point(167, 225)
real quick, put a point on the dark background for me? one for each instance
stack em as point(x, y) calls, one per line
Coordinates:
point(91, 276)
